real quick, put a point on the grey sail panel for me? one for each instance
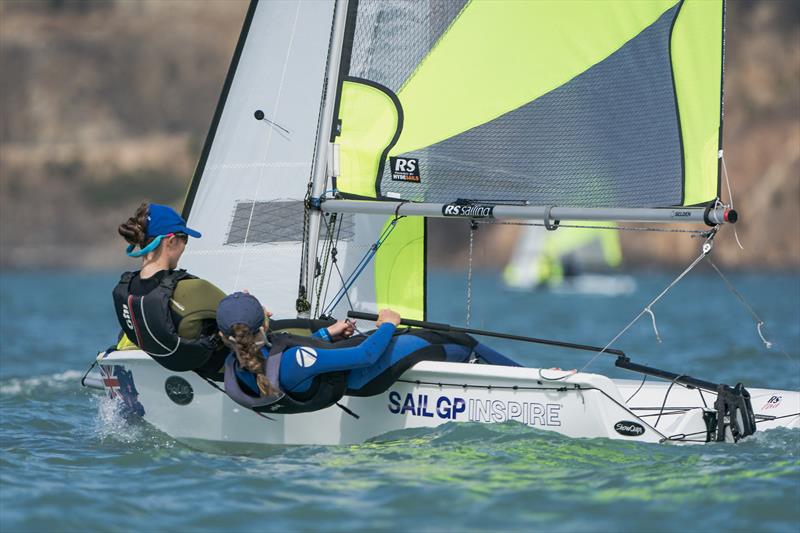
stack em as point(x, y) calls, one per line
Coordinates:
point(609, 137)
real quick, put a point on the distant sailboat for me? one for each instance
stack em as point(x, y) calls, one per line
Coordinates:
point(574, 260)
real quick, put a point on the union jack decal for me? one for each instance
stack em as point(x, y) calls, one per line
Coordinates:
point(119, 385)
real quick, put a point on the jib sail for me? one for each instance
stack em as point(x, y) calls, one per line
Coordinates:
point(247, 195)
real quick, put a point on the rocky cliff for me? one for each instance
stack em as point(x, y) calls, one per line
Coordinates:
point(106, 103)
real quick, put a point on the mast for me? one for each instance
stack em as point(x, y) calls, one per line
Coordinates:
point(319, 175)
point(711, 216)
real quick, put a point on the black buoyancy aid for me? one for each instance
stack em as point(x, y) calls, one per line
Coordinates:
point(329, 388)
point(325, 390)
point(147, 320)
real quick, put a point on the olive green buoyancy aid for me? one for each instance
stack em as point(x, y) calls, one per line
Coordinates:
point(148, 321)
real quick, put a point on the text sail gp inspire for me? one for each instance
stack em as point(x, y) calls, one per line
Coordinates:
point(475, 410)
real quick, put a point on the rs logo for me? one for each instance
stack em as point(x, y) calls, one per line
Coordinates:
point(401, 164)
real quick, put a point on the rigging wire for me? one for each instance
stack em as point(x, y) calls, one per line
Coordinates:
point(330, 227)
point(759, 322)
point(707, 245)
point(360, 266)
point(334, 258)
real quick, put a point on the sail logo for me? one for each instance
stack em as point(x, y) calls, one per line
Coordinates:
point(306, 357)
point(468, 210)
point(405, 169)
point(475, 410)
point(773, 402)
point(628, 428)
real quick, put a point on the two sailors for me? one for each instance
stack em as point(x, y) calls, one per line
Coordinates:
point(284, 366)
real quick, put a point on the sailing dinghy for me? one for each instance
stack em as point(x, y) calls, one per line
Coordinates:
point(344, 127)
point(574, 261)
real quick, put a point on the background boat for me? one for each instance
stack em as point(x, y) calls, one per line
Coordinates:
point(584, 261)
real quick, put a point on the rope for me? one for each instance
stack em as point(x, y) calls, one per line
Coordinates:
point(664, 403)
point(582, 226)
point(637, 390)
point(334, 253)
point(83, 379)
point(330, 227)
point(758, 320)
point(472, 228)
point(302, 305)
point(707, 245)
point(730, 197)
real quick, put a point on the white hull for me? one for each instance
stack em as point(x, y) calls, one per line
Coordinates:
point(433, 393)
point(585, 285)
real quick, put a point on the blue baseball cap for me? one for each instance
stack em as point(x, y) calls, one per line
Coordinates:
point(163, 220)
point(239, 308)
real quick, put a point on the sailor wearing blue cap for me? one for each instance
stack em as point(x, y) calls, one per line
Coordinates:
point(162, 222)
point(166, 312)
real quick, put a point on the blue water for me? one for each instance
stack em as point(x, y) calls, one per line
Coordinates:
point(69, 464)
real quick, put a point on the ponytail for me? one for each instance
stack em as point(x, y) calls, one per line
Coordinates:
point(250, 357)
point(134, 230)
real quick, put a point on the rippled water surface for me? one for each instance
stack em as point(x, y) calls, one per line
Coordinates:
point(68, 463)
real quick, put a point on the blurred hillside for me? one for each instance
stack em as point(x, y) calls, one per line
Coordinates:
point(104, 104)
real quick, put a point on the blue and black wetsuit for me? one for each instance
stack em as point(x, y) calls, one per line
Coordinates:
point(373, 359)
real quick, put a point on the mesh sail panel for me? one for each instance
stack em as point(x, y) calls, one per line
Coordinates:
point(393, 37)
point(607, 138)
point(575, 104)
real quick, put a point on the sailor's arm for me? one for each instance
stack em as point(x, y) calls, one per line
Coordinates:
point(336, 359)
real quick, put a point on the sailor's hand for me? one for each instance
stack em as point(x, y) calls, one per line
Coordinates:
point(387, 315)
point(342, 329)
point(267, 316)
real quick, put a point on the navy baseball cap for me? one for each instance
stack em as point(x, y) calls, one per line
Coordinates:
point(239, 308)
point(163, 220)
